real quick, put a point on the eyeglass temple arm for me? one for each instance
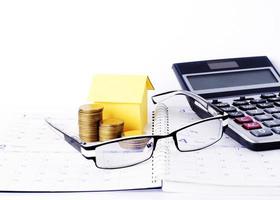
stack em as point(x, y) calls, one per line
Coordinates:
point(169, 94)
point(73, 141)
point(161, 94)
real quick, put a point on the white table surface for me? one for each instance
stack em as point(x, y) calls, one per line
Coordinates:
point(50, 49)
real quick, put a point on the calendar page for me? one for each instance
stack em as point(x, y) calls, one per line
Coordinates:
point(226, 163)
point(34, 157)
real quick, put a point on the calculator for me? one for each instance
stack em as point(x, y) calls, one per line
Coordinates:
point(246, 88)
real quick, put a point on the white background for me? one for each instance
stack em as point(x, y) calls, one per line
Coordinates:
point(50, 49)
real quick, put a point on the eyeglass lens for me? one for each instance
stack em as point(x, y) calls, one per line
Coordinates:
point(124, 153)
point(199, 135)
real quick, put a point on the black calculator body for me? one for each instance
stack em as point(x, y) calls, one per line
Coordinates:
point(246, 88)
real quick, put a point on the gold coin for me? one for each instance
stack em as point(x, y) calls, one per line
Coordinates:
point(90, 108)
point(112, 128)
point(112, 122)
point(88, 127)
point(85, 130)
point(88, 132)
point(104, 139)
point(110, 132)
point(89, 139)
point(92, 125)
point(91, 115)
point(89, 136)
point(88, 118)
point(134, 144)
point(109, 135)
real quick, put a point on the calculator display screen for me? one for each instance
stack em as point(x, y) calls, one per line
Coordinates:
point(231, 79)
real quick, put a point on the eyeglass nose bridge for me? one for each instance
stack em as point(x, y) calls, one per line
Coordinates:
point(172, 135)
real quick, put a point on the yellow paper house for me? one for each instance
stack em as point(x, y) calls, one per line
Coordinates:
point(123, 97)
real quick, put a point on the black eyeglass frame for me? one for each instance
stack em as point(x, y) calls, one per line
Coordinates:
point(84, 147)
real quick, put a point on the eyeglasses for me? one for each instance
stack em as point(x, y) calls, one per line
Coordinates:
point(130, 151)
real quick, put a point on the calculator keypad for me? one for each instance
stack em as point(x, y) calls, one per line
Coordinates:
point(255, 112)
point(259, 116)
point(240, 103)
point(222, 105)
point(229, 109)
point(255, 101)
point(241, 120)
point(272, 123)
point(277, 115)
point(272, 110)
point(247, 107)
point(263, 118)
point(261, 132)
point(236, 114)
point(265, 105)
point(273, 99)
point(276, 130)
point(268, 95)
point(251, 126)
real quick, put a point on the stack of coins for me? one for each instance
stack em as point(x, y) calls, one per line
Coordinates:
point(110, 129)
point(90, 116)
point(135, 144)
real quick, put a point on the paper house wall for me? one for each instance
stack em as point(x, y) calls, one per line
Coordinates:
point(123, 97)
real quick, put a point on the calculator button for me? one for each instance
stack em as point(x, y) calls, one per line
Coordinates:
point(265, 105)
point(273, 99)
point(272, 123)
point(247, 107)
point(240, 103)
point(251, 126)
point(229, 109)
point(272, 110)
point(242, 98)
point(255, 112)
point(263, 118)
point(222, 105)
point(277, 115)
point(261, 132)
point(268, 95)
point(277, 103)
point(235, 114)
point(276, 130)
point(241, 120)
point(255, 101)
point(215, 101)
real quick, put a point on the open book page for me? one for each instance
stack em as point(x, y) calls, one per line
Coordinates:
point(226, 163)
point(34, 157)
